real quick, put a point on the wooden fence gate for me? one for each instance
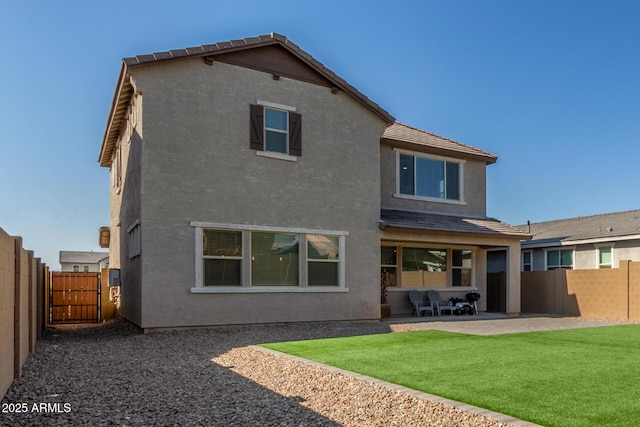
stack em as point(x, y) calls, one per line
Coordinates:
point(75, 297)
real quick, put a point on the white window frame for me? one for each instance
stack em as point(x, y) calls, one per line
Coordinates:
point(461, 165)
point(276, 154)
point(246, 286)
point(600, 246)
point(560, 267)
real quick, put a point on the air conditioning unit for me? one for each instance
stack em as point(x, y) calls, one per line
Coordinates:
point(114, 277)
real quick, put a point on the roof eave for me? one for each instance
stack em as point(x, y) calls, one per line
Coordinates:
point(104, 158)
point(385, 226)
point(488, 159)
point(256, 42)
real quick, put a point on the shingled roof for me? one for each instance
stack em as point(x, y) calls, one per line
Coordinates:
point(124, 89)
point(605, 227)
point(405, 136)
point(438, 223)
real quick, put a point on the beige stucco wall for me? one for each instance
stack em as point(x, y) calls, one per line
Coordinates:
point(473, 189)
point(197, 166)
point(125, 210)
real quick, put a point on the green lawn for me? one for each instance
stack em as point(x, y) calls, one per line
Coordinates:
point(579, 377)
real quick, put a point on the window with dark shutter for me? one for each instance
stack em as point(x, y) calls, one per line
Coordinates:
point(295, 134)
point(275, 129)
point(257, 127)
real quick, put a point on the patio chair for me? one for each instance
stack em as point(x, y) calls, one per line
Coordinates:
point(417, 299)
point(441, 306)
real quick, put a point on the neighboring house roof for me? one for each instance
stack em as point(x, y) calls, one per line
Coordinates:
point(82, 257)
point(587, 229)
point(124, 89)
point(404, 136)
point(447, 224)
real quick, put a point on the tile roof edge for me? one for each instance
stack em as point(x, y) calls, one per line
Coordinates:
point(479, 150)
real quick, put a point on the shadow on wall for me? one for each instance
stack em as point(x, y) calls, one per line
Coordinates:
point(612, 293)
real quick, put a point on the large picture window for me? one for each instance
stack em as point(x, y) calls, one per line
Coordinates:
point(274, 259)
point(423, 267)
point(427, 177)
point(271, 258)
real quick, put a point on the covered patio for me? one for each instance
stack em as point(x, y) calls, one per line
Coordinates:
point(448, 253)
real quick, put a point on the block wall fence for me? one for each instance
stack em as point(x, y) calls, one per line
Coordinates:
point(612, 293)
point(23, 280)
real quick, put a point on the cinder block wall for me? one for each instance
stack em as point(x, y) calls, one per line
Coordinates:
point(7, 296)
point(22, 290)
point(599, 293)
point(634, 290)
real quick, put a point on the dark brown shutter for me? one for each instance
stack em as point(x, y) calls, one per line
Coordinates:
point(295, 134)
point(257, 127)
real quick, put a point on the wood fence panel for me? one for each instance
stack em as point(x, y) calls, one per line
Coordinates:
point(75, 297)
point(541, 291)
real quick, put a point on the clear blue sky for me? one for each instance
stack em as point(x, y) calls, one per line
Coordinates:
point(550, 86)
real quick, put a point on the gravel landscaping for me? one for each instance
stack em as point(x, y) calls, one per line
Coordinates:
point(114, 375)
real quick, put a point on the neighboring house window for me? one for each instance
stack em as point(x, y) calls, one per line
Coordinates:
point(275, 128)
point(268, 257)
point(461, 267)
point(76, 268)
point(389, 263)
point(560, 259)
point(527, 264)
point(85, 268)
point(135, 248)
point(605, 256)
point(427, 177)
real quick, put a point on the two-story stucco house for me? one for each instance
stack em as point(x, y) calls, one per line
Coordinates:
point(250, 184)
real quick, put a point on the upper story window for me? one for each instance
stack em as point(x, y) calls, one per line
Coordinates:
point(277, 129)
point(429, 178)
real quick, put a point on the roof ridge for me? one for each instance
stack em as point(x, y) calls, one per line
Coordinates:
point(579, 217)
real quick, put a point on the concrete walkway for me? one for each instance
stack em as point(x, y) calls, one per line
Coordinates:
point(495, 324)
